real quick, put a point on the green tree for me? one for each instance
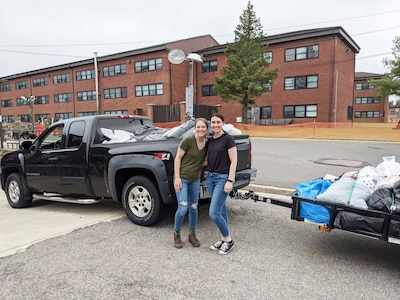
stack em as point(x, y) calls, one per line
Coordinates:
point(245, 76)
point(389, 84)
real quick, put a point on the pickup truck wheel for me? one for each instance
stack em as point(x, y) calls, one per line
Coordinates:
point(18, 195)
point(141, 201)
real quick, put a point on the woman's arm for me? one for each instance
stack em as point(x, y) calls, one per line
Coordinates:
point(232, 153)
point(177, 169)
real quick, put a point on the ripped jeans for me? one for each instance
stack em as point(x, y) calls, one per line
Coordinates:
point(188, 199)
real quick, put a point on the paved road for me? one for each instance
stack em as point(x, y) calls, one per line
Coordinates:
point(95, 252)
point(286, 162)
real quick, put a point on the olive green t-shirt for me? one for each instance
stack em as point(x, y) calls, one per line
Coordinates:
point(193, 158)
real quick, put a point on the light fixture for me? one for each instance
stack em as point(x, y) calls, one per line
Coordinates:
point(177, 56)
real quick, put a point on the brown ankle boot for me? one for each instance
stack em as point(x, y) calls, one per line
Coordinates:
point(177, 240)
point(193, 240)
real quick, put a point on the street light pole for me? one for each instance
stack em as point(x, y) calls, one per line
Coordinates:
point(192, 58)
point(96, 76)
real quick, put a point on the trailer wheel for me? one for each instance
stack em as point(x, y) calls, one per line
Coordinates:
point(141, 201)
point(18, 195)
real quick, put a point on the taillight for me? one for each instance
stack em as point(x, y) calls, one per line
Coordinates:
point(163, 155)
point(250, 154)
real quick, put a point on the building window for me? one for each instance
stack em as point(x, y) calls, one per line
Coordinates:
point(367, 100)
point(267, 87)
point(300, 111)
point(42, 117)
point(209, 66)
point(268, 56)
point(265, 112)
point(22, 102)
point(114, 70)
point(365, 86)
point(300, 53)
point(61, 78)
point(116, 112)
point(85, 96)
point(85, 75)
point(149, 90)
point(87, 113)
point(42, 100)
point(40, 81)
point(62, 98)
point(301, 82)
point(208, 90)
point(5, 87)
point(20, 85)
point(148, 65)
point(6, 103)
point(366, 114)
point(24, 118)
point(115, 93)
point(8, 119)
point(63, 116)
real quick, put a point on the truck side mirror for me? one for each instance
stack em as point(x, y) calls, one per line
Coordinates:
point(26, 145)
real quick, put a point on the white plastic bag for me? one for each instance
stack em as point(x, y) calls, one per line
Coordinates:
point(388, 171)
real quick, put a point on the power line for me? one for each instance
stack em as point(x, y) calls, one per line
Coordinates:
point(44, 54)
point(163, 41)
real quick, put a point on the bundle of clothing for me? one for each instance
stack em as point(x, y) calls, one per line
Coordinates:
point(371, 188)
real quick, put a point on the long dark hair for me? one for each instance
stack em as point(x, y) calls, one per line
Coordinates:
point(218, 115)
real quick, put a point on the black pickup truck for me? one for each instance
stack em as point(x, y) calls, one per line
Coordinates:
point(89, 159)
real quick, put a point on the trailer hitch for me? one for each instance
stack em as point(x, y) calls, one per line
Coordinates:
point(242, 195)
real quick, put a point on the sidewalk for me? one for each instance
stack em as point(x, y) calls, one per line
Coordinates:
point(21, 228)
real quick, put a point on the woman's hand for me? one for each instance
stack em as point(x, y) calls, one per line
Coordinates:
point(228, 187)
point(177, 184)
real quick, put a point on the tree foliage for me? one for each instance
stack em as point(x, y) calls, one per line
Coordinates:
point(245, 77)
point(389, 84)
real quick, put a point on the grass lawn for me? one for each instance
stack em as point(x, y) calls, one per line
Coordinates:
point(356, 131)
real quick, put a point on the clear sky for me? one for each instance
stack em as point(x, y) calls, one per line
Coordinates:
point(36, 34)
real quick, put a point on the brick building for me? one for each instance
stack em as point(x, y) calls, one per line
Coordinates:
point(368, 107)
point(316, 82)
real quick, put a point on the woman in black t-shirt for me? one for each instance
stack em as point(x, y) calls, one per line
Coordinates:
point(221, 169)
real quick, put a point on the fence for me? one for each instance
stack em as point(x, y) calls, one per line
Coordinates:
point(172, 113)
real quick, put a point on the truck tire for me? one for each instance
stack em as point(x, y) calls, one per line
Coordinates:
point(141, 201)
point(18, 195)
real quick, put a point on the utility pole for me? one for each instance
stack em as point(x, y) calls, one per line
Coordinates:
point(96, 76)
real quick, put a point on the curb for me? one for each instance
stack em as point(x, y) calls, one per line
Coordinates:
point(269, 190)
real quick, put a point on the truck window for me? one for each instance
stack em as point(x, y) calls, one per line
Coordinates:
point(75, 134)
point(53, 139)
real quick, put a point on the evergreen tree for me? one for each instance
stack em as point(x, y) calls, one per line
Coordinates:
point(245, 77)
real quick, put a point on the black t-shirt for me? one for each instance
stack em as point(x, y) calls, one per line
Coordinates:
point(218, 159)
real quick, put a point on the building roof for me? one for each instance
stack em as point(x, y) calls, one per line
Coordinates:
point(366, 75)
point(186, 45)
point(205, 45)
point(295, 36)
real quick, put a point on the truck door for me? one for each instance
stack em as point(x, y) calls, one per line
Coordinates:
point(72, 161)
point(42, 173)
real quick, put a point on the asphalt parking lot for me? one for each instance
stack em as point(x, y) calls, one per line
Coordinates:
point(112, 258)
point(68, 251)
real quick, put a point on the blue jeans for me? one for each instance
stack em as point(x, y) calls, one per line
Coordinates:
point(188, 198)
point(218, 212)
